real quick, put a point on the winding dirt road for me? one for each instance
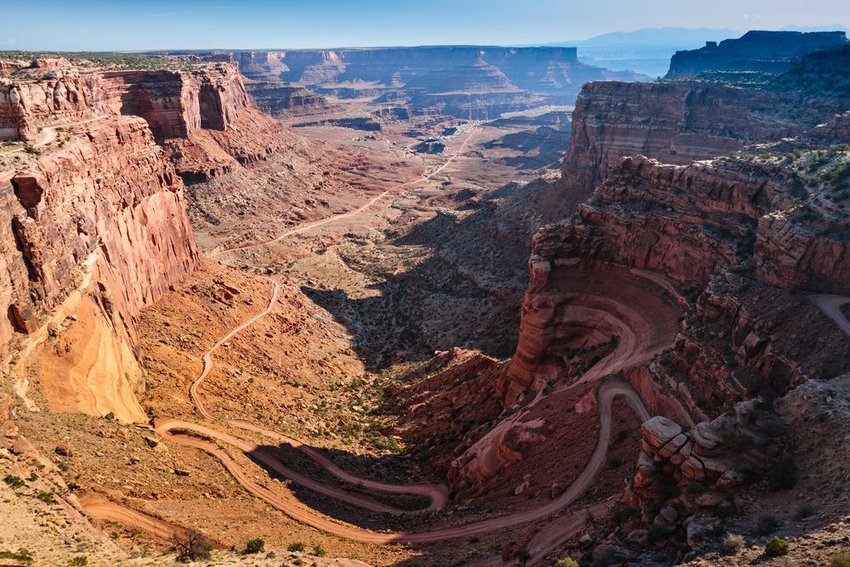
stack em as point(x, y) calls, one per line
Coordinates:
point(606, 394)
point(102, 508)
point(194, 394)
point(437, 494)
point(207, 439)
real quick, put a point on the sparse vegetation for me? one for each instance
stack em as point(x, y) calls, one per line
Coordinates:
point(14, 481)
point(566, 562)
point(776, 547)
point(295, 546)
point(319, 551)
point(46, 497)
point(192, 547)
point(20, 555)
point(32, 150)
point(78, 561)
point(255, 545)
point(840, 559)
point(731, 544)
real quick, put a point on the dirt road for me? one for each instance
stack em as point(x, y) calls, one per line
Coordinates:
point(342, 216)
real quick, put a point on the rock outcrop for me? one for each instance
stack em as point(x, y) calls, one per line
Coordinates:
point(97, 230)
point(755, 51)
point(97, 223)
point(691, 225)
point(679, 122)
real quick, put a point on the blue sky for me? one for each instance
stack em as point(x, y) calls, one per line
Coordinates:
point(195, 24)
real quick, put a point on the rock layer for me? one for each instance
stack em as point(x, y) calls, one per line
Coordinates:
point(678, 122)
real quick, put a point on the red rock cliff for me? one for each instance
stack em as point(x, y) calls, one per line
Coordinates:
point(676, 122)
point(96, 231)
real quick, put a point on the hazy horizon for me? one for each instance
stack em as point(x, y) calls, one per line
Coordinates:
point(91, 25)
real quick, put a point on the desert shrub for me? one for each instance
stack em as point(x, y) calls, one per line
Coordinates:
point(731, 544)
point(840, 559)
point(782, 476)
point(776, 547)
point(767, 524)
point(30, 149)
point(78, 561)
point(14, 481)
point(21, 555)
point(192, 547)
point(255, 545)
point(46, 497)
point(566, 562)
point(295, 546)
point(319, 551)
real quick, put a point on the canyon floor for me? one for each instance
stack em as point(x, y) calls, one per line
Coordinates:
point(367, 288)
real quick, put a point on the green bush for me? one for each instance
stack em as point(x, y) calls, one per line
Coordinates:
point(46, 497)
point(30, 149)
point(78, 561)
point(841, 559)
point(14, 481)
point(20, 555)
point(319, 551)
point(255, 545)
point(295, 546)
point(566, 562)
point(776, 547)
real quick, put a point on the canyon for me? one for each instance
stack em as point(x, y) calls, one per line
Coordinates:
point(425, 306)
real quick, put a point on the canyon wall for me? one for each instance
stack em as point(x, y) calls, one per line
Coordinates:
point(732, 240)
point(96, 216)
point(96, 230)
point(755, 51)
point(464, 81)
point(174, 103)
point(678, 122)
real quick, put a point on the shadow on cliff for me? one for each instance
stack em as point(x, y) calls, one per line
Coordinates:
point(542, 147)
point(386, 468)
point(466, 293)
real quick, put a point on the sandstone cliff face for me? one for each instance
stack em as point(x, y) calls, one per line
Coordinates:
point(689, 225)
point(98, 231)
point(174, 103)
point(677, 122)
point(97, 226)
point(25, 106)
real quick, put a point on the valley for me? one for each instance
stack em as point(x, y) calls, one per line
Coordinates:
point(449, 312)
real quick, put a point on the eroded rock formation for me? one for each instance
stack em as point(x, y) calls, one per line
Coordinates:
point(679, 122)
point(467, 82)
point(97, 218)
